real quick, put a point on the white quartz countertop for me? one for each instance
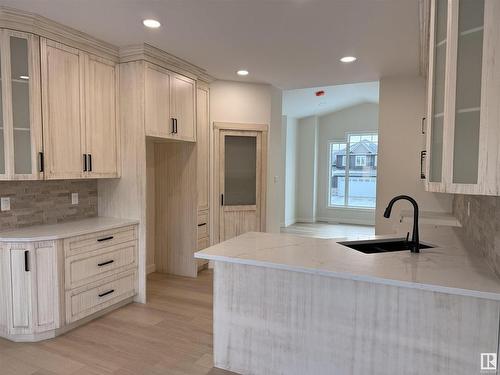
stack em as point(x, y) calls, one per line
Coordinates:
point(63, 230)
point(447, 268)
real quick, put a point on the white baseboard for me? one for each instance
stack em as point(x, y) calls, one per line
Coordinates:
point(346, 221)
point(305, 220)
point(150, 268)
point(289, 222)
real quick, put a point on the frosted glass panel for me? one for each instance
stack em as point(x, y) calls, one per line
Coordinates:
point(436, 150)
point(240, 174)
point(471, 14)
point(20, 105)
point(466, 148)
point(2, 146)
point(438, 85)
point(469, 70)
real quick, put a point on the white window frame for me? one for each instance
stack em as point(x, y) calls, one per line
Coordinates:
point(361, 162)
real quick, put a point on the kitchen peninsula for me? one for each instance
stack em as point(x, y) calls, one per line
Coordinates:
point(296, 305)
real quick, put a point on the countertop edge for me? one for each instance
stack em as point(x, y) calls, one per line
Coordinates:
point(356, 277)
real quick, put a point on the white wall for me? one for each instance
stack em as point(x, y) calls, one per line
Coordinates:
point(336, 126)
point(240, 102)
point(402, 105)
point(291, 168)
point(307, 140)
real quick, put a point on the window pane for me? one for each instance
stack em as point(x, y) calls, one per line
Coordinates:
point(337, 173)
point(240, 174)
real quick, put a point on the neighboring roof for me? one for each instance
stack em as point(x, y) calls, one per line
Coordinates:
point(360, 148)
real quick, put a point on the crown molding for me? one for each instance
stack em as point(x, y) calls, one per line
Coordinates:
point(164, 59)
point(424, 12)
point(33, 23)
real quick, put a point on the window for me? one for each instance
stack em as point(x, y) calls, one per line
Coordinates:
point(353, 171)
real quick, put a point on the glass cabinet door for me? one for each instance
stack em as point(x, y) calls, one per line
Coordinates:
point(439, 44)
point(468, 91)
point(2, 115)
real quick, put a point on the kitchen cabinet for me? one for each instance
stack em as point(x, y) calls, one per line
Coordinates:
point(79, 113)
point(203, 147)
point(464, 90)
point(169, 104)
point(20, 114)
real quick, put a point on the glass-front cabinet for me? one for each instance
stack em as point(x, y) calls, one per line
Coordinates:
point(20, 130)
point(464, 92)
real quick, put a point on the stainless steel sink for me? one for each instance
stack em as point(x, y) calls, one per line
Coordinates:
point(382, 246)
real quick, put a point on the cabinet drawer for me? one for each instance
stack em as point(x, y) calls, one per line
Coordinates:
point(203, 243)
point(80, 304)
point(87, 267)
point(203, 230)
point(99, 240)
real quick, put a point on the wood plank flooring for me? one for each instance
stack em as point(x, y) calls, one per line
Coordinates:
point(325, 230)
point(170, 335)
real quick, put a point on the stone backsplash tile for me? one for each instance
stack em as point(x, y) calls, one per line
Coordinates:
point(47, 202)
point(481, 228)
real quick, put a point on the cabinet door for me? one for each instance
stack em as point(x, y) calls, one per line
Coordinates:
point(62, 97)
point(183, 107)
point(23, 126)
point(202, 147)
point(157, 91)
point(100, 121)
point(21, 285)
point(45, 295)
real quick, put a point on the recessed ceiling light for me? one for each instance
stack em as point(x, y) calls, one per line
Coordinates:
point(242, 72)
point(24, 77)
point(153, 24)
point(348, 59)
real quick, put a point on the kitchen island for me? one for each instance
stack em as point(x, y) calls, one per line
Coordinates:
point(285, 304)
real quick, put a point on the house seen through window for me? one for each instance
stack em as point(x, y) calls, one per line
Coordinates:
point(353, 171)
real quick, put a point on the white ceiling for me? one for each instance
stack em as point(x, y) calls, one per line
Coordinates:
point(288, 43)
point(303, 102)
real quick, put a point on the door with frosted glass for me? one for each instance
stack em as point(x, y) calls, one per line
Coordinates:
point(240, 182)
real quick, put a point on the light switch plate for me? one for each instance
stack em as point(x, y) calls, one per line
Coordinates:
point(5, 203)
point(74, 198)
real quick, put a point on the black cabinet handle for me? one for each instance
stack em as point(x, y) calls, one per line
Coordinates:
point(202, 224)
point(90, 162)
point(222, 199)
point(422, 125)
point(27, 261)
point(423, 154)
point(105, 263)
point(85, 162)
point(173, 125)
point(105, 238)
point(106, 293)
point(40, 161)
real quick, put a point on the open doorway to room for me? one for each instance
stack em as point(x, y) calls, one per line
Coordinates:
point(331, 160)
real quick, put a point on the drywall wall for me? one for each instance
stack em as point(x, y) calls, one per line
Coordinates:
point(240, 102)
point(336, 126)
point(402, 104)
point(291, 151)
point(307, 135)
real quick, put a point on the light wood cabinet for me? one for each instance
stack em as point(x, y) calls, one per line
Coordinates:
point(169, 104)
point(464, 90)
point(20, 113)
point(203, 147)
point(79, 113)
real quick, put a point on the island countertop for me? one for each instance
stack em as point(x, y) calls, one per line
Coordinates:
point(449, 267)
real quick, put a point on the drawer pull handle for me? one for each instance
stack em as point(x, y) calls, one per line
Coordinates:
point(105, 263)
point(202, 224)
point(106, 293)
point(105, 239)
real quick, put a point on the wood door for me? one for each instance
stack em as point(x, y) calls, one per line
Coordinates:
point(202, 147)
point(241, 184)
point(183, 107)
point(21, 285)
point(101, 122)
point(157, 91)
point(62, 104)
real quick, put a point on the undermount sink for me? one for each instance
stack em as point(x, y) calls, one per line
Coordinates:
point(382, 246)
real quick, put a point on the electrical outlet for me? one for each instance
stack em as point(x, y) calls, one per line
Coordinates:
point(5, 203)
point(74, 198)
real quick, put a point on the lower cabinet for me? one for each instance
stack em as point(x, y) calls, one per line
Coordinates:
point(47, 287)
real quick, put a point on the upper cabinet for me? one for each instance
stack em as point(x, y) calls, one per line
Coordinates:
point(203, 147)
point(170, 104)
point(79, 113)
point(20, 116)
point(464, 92)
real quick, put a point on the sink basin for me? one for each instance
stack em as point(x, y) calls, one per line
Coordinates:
point(382, 246)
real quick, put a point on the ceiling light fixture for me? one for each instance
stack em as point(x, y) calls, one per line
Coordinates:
point(242, 72)
point(24, 77)
point(348, 59)
point(152, 24)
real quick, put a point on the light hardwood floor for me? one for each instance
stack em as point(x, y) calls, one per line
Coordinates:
point(170, 335)
point(325, 230)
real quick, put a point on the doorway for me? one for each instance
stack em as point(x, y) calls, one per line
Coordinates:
point(240, 178)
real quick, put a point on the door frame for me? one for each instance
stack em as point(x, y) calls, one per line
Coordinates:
point(217, 128)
